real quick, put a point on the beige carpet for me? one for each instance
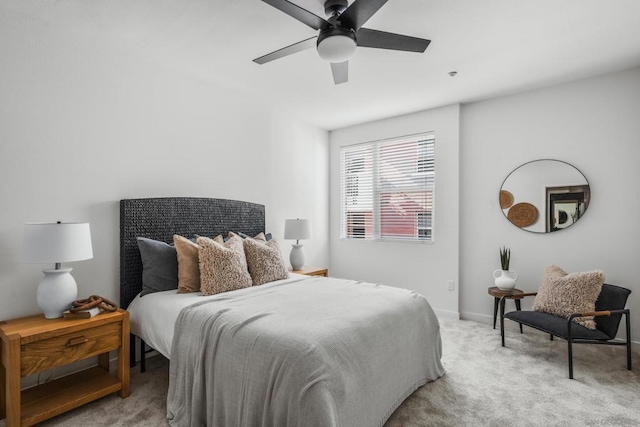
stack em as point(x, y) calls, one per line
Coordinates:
point(524, 384)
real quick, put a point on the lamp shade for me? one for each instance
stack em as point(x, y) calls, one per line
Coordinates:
point(297, 229)
point(337, 48)
point(56, 242)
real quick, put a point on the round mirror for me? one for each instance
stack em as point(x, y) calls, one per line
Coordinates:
point(543, 196)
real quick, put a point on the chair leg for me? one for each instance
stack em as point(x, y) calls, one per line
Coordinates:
point(518, 307)
point(502, 320)
point(570, 349)
point(570, 361)
point(628, 322)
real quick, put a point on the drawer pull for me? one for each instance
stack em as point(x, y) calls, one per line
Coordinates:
point(77, 341)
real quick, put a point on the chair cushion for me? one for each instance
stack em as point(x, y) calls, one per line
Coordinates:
point(564, 294)
point(554, 325)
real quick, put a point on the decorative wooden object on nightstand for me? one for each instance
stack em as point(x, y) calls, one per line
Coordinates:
point(30, 345)
point(312, 271)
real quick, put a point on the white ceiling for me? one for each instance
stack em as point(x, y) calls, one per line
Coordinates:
point(496, 46)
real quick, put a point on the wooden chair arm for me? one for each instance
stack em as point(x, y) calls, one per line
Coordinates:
point(598, 313)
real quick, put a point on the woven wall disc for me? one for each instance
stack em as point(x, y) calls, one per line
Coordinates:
point(523, 214)
point(506, 199)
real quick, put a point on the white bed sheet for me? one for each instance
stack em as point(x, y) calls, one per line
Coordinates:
point(153, 316)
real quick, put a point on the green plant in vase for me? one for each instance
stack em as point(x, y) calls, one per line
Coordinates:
point(505, 258)
point(505, 279)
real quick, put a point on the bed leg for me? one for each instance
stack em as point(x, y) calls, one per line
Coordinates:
point(132, 350)
point(143, 366)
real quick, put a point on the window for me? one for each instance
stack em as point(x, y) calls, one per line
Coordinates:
point(387, 189)
point(424, 224)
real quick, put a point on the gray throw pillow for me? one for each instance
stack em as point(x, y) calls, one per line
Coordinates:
point(159, 266)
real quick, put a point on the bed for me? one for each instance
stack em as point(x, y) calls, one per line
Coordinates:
point(308, 351)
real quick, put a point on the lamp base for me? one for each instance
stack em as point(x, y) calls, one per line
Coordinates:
point(56, 292)
point(296, 258)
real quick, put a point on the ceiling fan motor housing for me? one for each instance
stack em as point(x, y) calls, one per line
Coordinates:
point(335, 7)
point(341, 33)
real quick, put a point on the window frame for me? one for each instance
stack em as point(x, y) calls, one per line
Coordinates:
point(423, 165)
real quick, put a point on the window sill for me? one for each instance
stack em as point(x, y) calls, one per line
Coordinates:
point(411, 242)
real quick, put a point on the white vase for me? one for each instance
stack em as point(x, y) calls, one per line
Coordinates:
point(505, 279)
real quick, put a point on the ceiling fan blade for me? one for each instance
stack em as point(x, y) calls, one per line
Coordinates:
point(359, 13)
point(295, 11)
point(382, 40)
point(286, 51)
point(340, 72)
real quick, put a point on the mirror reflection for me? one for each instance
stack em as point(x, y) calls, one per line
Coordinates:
point(544, 196)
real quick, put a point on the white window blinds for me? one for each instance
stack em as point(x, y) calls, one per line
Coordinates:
point(387, 189)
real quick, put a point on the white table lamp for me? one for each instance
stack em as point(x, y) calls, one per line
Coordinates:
point(56, 243)
point(297, 229)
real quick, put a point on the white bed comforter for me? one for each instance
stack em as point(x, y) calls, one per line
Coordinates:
point(153, 316)
point(303, 352)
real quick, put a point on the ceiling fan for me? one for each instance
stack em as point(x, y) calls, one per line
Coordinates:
point(341, 33)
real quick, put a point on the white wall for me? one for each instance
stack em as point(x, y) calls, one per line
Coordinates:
point(594, 125)
point(425, 268)
point(84, 123)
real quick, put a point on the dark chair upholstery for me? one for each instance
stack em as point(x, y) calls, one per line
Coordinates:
point(611, 298)
point(608, 314)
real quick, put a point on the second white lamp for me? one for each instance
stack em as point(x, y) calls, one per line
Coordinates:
point(297, 229)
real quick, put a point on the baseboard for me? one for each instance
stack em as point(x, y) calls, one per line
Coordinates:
point(480, 318)
point(488, 319)
point(446, 314)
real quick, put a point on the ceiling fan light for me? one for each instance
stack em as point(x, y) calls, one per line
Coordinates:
point(337, 48)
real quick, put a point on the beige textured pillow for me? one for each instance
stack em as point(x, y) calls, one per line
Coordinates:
point(564, 294)
point(259, 236)
point(264, 261)
point(223, 266)
point(188, 268)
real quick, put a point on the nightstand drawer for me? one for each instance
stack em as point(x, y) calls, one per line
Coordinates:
point(64, 349)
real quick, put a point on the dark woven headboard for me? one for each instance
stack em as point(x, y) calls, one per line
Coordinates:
point(161, 218)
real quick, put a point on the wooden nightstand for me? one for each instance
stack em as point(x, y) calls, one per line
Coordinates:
point(30, 345)
point(312, 271)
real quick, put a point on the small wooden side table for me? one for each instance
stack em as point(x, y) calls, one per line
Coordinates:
point(30, 345)
point(500, 296)
point(312, 271)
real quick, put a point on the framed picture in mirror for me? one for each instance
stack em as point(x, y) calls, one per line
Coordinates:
point(565, 206)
